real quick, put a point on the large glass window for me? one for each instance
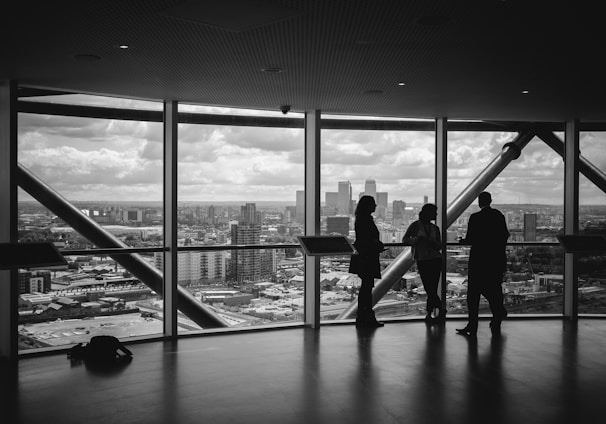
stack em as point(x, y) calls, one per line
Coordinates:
point(241, 184)
point(91, 183)
point(529, 192)
point(592, 220)
point(397, 168)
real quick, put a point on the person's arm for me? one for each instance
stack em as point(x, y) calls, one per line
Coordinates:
point(410, 237)
point(469, 235)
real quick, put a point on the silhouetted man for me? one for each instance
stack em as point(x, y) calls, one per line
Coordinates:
point(487, 234)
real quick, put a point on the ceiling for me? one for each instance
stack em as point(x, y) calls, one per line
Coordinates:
point(460, 59)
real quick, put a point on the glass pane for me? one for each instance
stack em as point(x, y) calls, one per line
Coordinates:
point(238, 185)
point(93, 295)
point(533, 213)
point(111, 172)
point(397, 169)
point(592, 220)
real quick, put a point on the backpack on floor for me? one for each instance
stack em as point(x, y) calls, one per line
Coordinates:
point(100, 349)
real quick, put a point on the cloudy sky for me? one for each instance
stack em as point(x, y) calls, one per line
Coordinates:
point(111, 160)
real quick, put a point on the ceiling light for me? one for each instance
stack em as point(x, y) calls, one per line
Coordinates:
point(274, 70)
point(525, 91)
point(401, 83)
point(123, 46)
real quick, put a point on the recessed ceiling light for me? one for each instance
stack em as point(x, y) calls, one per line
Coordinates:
point(525, 91)
point(273, 70)
point(123, 46)
point(401, 83)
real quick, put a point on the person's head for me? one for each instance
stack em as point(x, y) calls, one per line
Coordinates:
point(428, 212)
point(366, 205)
point(484, 199)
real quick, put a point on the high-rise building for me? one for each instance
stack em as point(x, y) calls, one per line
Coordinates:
point(344, 198)
point(398, 212)
point(530, 227)
point(382, 202)
point(425, 200)
point(211, 215)
point(337, 225)
point(248, 213)
point(246, 264)
point(300, 207)
point(197, 267)
point(289, 213)
point(370, 189)
point(331, 199)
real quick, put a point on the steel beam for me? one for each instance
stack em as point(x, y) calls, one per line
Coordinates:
point(400, 265)
point(589, 170)
point(152, 277)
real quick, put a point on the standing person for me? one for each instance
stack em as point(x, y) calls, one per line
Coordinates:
point(487, 234)
point(366, 262)
point(426, 242)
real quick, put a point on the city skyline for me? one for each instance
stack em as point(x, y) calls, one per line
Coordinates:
point(88, 159)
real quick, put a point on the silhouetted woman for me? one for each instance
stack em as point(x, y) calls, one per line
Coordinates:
point(426, 242)
point(366, 262)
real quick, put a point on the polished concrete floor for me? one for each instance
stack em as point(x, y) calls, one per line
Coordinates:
point(538, 371)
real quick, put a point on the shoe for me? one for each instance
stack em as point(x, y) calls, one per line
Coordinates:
point(467, 332)
point(369, 324)
point(495, 328)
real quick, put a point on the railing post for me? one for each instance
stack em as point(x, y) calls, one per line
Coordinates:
point(312, 216)
point(571, 216)
point(8, 218)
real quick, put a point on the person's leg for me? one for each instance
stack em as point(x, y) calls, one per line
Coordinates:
point(473, 306)
point(494, 295)
point(430, 271)
point(365, 315)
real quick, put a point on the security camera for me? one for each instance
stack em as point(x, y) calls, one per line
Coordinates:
point(285, 109)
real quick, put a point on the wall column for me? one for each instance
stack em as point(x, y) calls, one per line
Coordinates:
point(312, 216)
point(171, 121)
point(8, 218)
point(440, 178)
point(571, 216)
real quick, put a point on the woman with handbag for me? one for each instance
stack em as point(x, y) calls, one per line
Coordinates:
point(426, 242)
point(366, 262)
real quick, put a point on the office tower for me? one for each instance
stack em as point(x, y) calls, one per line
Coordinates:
point(398, 213)
point(530, 227)
point(344, 198)
point(289, 213)
point(211, 215)
point(246, 264)
point(370, 188)
point(248, 213)
point(197, 267)
point(337, 225)
point(382, 203)
point(425, 200)
point(300, 207)
point(331, 199)
point(269, 263)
